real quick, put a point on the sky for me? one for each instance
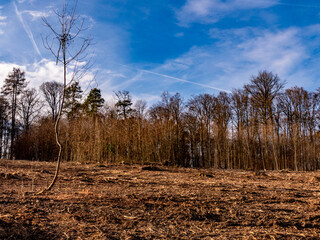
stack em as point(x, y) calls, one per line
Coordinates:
point(186, 46)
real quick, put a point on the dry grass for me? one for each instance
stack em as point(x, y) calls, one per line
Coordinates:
point(132, 202)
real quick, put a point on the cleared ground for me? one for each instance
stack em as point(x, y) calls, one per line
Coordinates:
point(136, 202)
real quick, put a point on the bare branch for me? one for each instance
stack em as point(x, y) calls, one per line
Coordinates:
point(64, 40)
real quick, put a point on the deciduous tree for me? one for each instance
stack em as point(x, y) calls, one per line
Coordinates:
point(29, 107)
point(52, 92)
point(68, 47)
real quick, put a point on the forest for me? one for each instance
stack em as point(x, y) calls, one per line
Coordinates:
point(260, 126)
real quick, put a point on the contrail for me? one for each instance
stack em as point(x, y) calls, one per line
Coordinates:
point(178, 79)
point(27, 29)
point(186, 81)
point(291, 4)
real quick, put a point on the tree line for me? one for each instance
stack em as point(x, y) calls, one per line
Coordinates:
point(260, 126)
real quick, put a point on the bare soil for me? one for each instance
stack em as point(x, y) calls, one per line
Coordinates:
point(156, 202)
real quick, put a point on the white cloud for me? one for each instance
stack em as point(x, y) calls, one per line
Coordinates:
point(149, 98)
point(36, 14)
point(237, 54)
point(29, 1)
point(36, 73)
point(210, 11)
point(280, 51)
point(43, 71)
point(2, 21)
point(5, 68)
point(179, 34)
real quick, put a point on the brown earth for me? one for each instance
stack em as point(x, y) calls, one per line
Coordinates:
point(135, 202)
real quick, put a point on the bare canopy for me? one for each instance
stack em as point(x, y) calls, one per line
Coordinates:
point(68, 47)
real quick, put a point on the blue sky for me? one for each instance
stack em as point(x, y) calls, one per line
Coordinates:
point(185, 46)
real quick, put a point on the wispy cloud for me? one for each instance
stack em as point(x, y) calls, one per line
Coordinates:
point(237, 54)
point(210, 11)
point(280, 51)
point(127, 82)
point(141, 72)
point(2, 21)
point(292, 4)
point(36, 14)
point(27, 29)
point(22, 1)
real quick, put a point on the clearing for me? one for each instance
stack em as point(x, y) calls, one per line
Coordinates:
point(134, 202)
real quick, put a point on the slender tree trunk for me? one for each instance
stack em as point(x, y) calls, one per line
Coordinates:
point(13, 121)
point(56, 127)
point(295, 143)
point(1, 137)
point(274, 148)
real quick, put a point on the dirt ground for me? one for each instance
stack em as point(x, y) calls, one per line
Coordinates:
point(135, 202)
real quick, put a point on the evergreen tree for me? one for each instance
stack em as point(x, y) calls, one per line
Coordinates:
point(72, 104)
point(124, 103)
point(12, 88)
point(3, 125)
point(93, 102)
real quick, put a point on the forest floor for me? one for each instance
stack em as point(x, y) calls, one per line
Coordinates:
point(138, 202)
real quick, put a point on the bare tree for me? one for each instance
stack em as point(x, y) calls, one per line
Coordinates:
point(222, 116)
point(68, 46)
point(52, 92)
point(263, 89)
point(240, 106)
point(140, 107)
point(168, 115)
point(29, 107)
point(202, 108)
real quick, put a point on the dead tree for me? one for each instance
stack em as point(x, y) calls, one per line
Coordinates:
point(68, 46)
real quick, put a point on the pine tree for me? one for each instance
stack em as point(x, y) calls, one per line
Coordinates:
point(93, 102)
point(124, 103)
point(12, 88)
point(3, 125)
point(72, 104)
